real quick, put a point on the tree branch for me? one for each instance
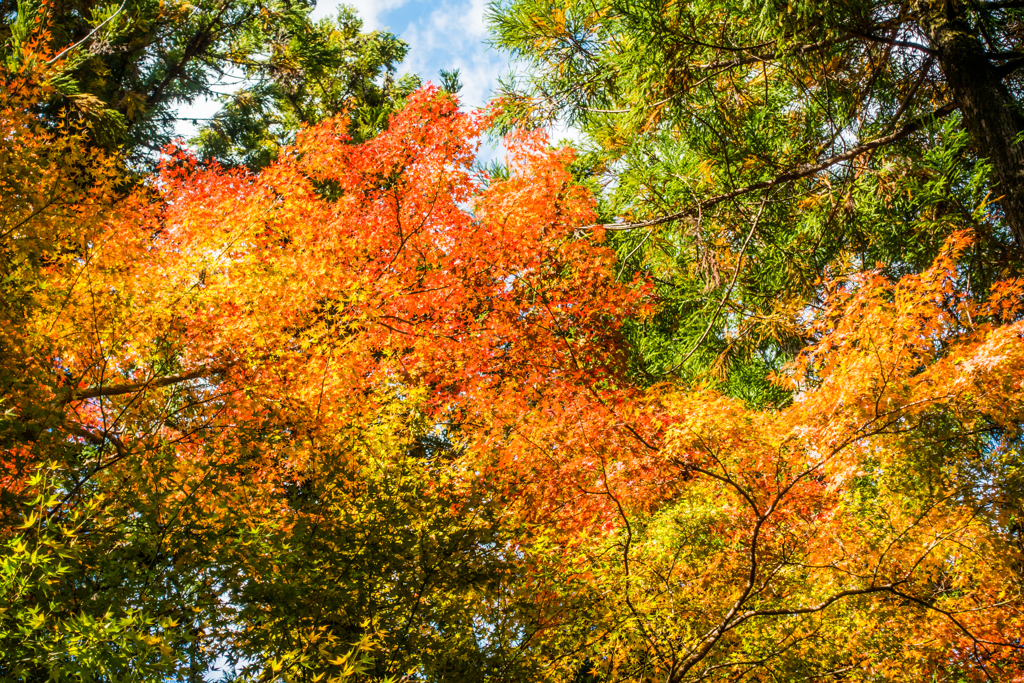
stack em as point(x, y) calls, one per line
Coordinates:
point(1002, 4)
point(87, 37)
point(798, 173)
point(97, 438)
point(728, 292)
point(155, 383)
point(895, 43)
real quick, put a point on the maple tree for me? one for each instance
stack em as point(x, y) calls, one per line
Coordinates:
point(869, 531)
point(55, 195)
point(253, 390)
point(747, 156)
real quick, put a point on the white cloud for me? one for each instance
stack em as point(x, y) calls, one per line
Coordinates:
point(441, 35)
point(452, 37)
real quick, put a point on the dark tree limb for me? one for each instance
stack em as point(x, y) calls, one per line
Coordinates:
point(97, 438)
point(155, 383)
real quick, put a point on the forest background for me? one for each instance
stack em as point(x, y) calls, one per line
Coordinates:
point(731, 390)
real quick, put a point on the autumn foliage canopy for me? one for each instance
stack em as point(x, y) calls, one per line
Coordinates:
point(372, 413)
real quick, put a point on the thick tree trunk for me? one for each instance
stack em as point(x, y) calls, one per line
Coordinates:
point(990, 114)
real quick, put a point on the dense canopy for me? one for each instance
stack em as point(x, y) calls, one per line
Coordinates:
point(733, 391)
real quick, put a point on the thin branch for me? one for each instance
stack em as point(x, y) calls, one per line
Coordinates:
point(925, 68)
point(90, 35)
point(950, 615)
point(796, 174)
point(728, 292)
point(793, 611)
point(896, 43)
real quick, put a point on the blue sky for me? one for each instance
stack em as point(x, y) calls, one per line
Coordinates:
point(444, 34)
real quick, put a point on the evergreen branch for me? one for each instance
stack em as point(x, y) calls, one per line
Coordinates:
point(798, 173)
point(723, 66)
point(87, 37)
point(728, 292)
